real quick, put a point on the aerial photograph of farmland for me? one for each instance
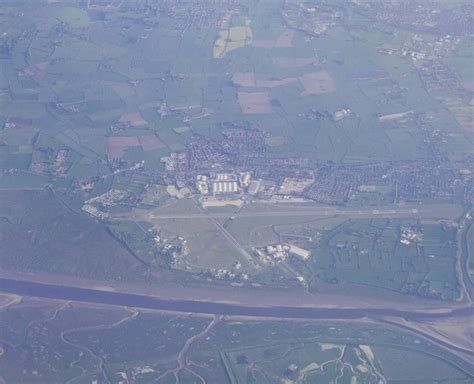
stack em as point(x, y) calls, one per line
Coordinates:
point(237, 191)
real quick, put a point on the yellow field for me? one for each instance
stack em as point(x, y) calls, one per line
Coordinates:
point(231, 39)
point(463, 113)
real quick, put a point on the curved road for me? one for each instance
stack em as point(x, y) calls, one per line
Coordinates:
point(465, 226)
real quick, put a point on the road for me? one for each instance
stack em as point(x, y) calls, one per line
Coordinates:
point(464, 227)
point(227, 235)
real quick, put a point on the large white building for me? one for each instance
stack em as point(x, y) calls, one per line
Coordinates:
point(300, 252)
point(224, 187)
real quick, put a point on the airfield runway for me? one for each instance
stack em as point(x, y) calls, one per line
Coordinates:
point(297, 212)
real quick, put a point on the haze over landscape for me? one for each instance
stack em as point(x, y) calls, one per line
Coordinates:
point(236, 191)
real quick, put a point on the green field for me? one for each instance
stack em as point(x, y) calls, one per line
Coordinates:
point(370, 253)
point(75, 88)
point(55, 342)
point(111, 111)
point(40, 234)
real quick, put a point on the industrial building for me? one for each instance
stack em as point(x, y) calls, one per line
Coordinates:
point(254, 187)
point(219, 187)
point(300, 252)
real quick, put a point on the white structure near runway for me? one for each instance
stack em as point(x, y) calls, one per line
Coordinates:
point(219, 187)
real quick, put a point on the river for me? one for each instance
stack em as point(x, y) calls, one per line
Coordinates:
point(30, 288)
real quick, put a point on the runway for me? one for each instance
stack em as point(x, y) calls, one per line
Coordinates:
point(311, 212)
